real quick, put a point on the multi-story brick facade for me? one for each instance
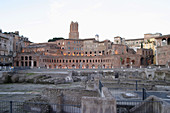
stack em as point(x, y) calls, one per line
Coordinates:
point(163, 50)
point(6, 58)
point(10, 44)
point(81, 54)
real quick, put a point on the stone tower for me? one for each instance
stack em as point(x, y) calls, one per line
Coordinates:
point(74, 34)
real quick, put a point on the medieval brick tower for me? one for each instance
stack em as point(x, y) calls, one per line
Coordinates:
point(74, 34)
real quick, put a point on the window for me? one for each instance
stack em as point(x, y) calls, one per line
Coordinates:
point(85, 52)
point(68, 43)
point(68, 47)
point(26, 58)
point(30, 57)
point(22, 58)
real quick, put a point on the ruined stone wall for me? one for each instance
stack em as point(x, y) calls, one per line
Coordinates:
point(163, 55)
point(98, 105)
point(69, 96)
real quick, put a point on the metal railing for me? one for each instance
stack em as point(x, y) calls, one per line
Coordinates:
point(30, 107)
point(100, 86)
point(131, 106)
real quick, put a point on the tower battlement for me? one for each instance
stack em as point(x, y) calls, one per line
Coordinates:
point(74, 34)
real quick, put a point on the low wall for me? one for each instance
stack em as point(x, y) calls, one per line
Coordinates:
point(98, 105)
point(69, 96)
point(152, 105)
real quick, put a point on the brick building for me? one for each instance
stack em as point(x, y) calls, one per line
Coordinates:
point(163, 50)
point(10, 44)
point(75, 53)
point(6, 58)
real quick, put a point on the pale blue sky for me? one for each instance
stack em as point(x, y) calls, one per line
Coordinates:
point(41, 20)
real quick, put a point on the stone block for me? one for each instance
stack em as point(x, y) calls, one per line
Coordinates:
point(98, 105)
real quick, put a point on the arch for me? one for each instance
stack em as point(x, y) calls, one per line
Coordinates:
point(103, 66)
point(73, 66)
point(29, 63)
point(54, 65)
point(164, 41)
point(127, 60)
point(35, 64)
point(133, 61)
point(80, 66)
point(99, 67)
point(22, 63)
point(168, 41)
point(93, 66)
point(17, 63)
point(123, 61)
point(26, 58)
point(26, 64)
point(30, 57)
point(50, 66)
point(142, 61)
point(87, 66)
point(22, 57)
point(60, 66)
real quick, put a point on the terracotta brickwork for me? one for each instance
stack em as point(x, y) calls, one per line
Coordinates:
point(74, 34)
point(79, 54)
point(75, 53)
point(163, 55)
